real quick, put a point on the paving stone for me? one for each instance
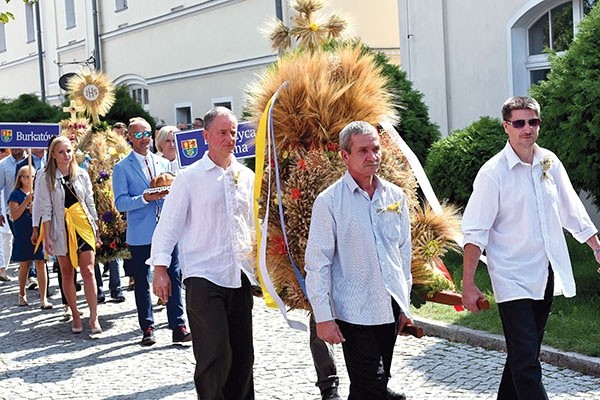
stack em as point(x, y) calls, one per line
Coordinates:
point(42, 359)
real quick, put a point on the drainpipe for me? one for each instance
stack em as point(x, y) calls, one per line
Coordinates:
point(38, 25)
point(97, 63)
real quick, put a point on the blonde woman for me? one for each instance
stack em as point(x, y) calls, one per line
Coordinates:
point(20, 202)
point(165, 144)
point(69, 224)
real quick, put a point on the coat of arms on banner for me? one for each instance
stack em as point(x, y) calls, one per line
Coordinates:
point(190, 148)
point(6, 135)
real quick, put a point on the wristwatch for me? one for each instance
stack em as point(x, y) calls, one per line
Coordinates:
point(596, 251)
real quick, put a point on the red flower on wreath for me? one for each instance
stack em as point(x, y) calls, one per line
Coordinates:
point(301, 164)
point(278, 245)
point(113, 245)
point(295, 194)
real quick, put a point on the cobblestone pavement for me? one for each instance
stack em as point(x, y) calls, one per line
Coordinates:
point(41, 359)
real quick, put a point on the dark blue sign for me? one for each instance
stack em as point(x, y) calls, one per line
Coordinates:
point(27, 135)
point(191, 145)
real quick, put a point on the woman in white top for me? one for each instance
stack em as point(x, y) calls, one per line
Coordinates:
point(165, 146)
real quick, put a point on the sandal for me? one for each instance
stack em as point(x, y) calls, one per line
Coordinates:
point(46, 306)
point(23, 301)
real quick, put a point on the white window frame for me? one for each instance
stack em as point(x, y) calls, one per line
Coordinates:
point(70, 15)
point(121, 5)
point(220, 100)
point(29, 22)
point(177, 108)
point(520, 63)
point(145, 95)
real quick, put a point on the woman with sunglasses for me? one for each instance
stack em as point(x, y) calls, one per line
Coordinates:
point(69, 225)
point(20, 203)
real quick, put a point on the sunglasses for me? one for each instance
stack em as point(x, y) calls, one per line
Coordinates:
point(520, 123)
point(139, 135)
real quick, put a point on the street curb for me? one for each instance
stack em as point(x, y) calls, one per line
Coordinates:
point(456, 333)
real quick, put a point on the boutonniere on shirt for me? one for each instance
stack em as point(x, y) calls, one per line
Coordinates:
point(236, 177)
point(546, 164)
point(394, 208)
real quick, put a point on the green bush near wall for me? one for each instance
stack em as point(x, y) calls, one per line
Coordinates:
point(453, 162)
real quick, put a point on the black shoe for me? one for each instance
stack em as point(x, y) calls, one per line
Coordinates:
point(330, 394)
point(148, 338)
point(117, 297)
point(181, 334)
point(101, 297)
point(391, 395)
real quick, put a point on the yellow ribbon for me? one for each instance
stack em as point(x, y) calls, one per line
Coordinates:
point(78, 223)
point(261, 134)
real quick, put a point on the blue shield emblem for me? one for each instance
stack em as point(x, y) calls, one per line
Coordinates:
point(190, 148)
point(6, 135)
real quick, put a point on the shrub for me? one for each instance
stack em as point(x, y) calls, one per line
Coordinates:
point(28, 108)
point(453, 162)
point(570, 100)
point(126, 107)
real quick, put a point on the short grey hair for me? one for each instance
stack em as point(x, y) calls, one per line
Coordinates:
point(213, 113)
point(355, 128)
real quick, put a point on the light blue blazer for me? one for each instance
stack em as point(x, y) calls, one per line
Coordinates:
point(129, 183)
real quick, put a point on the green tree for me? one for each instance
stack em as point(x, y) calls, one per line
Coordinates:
point(570, 100)
point(414, 124)
point(28, 108)
point(126, 107)
point(453, 162)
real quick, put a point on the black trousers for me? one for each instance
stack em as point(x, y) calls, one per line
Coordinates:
point(523, 322)
point(368, 352)
point(221, 323)
point(323, 359)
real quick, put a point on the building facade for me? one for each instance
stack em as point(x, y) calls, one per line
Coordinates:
point(178, 57)
point(468, 56)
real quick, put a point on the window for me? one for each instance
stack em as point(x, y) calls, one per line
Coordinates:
point(223, 102)
point(549, 25)
point(588, 5)
point(29, 22)
point(120, 5)
point(2, 39)
point(553, 31)
point(69, 14)
point(140, 95)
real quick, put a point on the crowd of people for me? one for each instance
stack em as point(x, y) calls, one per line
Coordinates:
point(197, 238)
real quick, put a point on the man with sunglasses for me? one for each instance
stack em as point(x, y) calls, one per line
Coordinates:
point(522, 199)
point(131, 179)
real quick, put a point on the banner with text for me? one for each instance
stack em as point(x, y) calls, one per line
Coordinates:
point(27, 135)
point(191, 145)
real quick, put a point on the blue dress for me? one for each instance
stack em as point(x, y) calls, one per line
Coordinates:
point(22, 247)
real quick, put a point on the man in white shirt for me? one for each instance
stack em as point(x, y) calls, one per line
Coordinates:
point(522, 199)
point(358, 259)
point(208, 213)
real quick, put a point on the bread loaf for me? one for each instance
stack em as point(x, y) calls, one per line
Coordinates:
point(164, 179)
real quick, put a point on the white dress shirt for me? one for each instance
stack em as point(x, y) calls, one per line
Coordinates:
point(517, 213)
point(358, 256)
point(209, 214)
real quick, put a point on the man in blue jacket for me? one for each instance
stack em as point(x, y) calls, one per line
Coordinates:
point(131, 178)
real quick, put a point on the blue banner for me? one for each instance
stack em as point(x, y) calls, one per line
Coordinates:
point(191, 145)
point(27, 135)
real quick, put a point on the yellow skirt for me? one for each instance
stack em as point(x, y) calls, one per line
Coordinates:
point(77, 223)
